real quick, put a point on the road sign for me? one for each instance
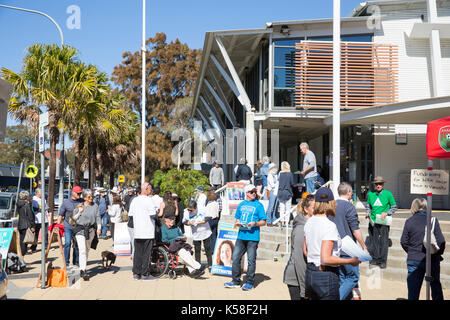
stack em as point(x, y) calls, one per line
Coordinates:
point(43, 121)
point(31, 171)
point(121, 179)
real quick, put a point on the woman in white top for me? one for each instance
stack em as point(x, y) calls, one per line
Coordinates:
point(321, 246)
point(272, 188)
point(115, 213)
point(212, 207)
point(197, 219)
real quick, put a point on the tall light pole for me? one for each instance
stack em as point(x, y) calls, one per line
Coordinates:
point(43, 229)
point(336, 93)
point(143, 95)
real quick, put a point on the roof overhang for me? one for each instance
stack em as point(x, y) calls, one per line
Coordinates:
point(423, 30)
point(410, 112)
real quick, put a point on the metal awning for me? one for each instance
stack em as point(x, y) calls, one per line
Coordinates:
point(410, 112)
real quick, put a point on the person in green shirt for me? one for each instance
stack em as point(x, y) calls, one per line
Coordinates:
point(380, 202)
point(172, 235)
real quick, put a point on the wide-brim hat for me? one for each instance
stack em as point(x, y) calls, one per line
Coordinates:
point(378, 179)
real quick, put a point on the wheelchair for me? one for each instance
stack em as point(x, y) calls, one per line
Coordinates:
point(163, 261)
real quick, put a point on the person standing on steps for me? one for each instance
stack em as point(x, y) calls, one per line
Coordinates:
point(380, 204)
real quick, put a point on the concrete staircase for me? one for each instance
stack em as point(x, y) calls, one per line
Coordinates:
point(273, 247)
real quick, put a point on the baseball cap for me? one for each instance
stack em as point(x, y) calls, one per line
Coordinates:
point(199, 188)
point(249, 187)
point(77, 189)
point(324, 194)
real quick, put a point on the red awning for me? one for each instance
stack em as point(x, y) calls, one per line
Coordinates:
point(438, 139)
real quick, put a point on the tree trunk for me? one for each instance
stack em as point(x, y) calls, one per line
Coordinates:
point(54, 137)
point(111, 179)
point(79, 145)
point(91, 161)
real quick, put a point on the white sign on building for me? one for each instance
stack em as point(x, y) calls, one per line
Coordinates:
point(425, 181)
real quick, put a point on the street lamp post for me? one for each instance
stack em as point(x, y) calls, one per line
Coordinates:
point(336, 93)
point(43, 229)
point(143, 95)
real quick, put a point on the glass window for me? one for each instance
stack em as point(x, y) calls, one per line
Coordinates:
point(283, 78)
point(284, 57)
point(284, 97)
point(287, 42)
point(357, 38)
point(4, 203)
point(351, 37)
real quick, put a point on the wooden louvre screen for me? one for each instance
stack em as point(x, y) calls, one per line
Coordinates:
point(369, 75)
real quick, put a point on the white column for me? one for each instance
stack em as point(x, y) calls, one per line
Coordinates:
point(250, 139)
point(270, 73)
point(336, 92)
point(435, 47)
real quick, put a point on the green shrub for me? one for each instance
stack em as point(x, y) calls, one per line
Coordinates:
point(182, 182)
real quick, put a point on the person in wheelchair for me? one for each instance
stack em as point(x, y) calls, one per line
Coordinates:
point(172, 235)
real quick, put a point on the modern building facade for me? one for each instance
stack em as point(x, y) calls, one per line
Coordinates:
point(395, 69)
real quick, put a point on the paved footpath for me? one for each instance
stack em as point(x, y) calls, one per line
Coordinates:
point(117, 283)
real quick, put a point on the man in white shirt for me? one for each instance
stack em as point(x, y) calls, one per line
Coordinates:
point(142, 209)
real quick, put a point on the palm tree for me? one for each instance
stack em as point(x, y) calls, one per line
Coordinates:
point(46, 80)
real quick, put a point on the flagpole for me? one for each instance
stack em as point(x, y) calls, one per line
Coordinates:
point(143, 95)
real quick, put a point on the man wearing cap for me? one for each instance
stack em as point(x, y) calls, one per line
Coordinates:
point(201, 197)
point(250, 216)
point(380, 204)
point(65, 211)
point(103, 202)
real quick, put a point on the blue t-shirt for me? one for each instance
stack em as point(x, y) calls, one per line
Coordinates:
point(249, 211)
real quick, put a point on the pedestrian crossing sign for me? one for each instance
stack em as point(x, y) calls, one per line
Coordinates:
point(31, 171)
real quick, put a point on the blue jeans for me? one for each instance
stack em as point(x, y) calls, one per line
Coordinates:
point(67, 243)
point(416, 274)
point(272, 208)
point(321, 285)
point(310, 184)
point(240, 248)
point(104, 224)
point(348, 278)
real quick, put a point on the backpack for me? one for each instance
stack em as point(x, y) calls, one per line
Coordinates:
point(15, 264)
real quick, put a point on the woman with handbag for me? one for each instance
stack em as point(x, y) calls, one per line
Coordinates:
point(26, 224)
point(412, 241)
point(87, 219)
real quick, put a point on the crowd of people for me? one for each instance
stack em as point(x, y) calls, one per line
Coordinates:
point(318, 268)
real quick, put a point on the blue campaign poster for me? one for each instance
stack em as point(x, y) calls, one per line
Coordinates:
point(5, 241)
point(223, 251)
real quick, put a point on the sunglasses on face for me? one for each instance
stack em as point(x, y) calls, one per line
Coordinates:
point(252, 192)
point(191, 210)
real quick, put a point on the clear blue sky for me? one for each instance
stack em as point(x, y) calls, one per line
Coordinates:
point(112, 27)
